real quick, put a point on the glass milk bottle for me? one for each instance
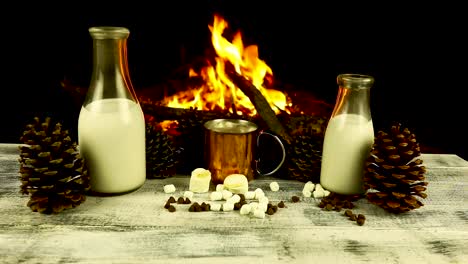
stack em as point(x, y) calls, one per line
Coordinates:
point(111, 125)
point(348, 137)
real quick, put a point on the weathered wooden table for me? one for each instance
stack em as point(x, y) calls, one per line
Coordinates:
point(135, 228)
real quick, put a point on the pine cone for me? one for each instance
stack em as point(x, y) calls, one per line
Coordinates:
point(304, 154)
point(394, 174)
point(162, 156)
point(304, 158)
point(52, 170)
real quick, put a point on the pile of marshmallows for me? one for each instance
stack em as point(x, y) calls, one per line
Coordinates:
point(234, 185)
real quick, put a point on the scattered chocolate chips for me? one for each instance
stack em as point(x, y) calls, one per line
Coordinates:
point(195, 207)
point(360, 218)
point(166, 206)
point(171, 199)
point(295, 199)
point(187, 201)
point(171, 208)
point(336, 202)
point(281, 204)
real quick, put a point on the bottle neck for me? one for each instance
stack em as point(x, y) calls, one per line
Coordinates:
point(110, 77)
point(353, 95)
point(353, 101)
point(109, 59)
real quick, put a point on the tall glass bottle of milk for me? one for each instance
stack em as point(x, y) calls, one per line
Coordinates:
point(348, 137)
point(111, 124)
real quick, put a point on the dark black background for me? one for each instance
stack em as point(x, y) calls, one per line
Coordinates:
point(415, 53)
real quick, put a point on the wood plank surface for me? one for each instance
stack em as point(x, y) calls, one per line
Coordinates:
point(135, 228)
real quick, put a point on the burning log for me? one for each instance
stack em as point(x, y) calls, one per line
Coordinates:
point(163, 113)
point(261, 104)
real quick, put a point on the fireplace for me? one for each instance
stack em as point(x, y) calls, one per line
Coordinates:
point(305, 48)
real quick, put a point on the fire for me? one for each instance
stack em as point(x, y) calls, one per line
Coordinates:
point(218, 92)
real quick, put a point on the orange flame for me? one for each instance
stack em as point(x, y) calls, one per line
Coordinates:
point(218, 91)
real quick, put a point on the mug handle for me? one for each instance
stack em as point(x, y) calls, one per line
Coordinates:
point(282, 148)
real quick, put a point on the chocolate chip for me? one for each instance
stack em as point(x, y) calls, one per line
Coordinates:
point(171, 199)
point(348, 213)
point(338, 208)
point(187, 201)
point(360, 221)
point(206, 207)
point(295, 199)
point(281, 204)
point(237, 206)
point(180, 200)
point(270, 211)
point(242, 197)
point(274, 208)
point(166, 206)
point(195, 207)
point(171, 209)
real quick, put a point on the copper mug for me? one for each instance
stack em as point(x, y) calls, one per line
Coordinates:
point(230, 146)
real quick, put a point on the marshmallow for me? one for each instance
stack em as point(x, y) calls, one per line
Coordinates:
point(216, 196)
point(258, 213)
point(234, 199)
point(228, 206)
point(326, 193)
point(262, 206)
point(219, 187)
point(306, 193)
point(318, 193)
point(253, 206)
point(263, 199)
point(188, 194)
point(310, 186)
point(245, 209)
point(259, 195)
point(200, 180)
point(226, 194)
point(236, 183)
point(250, 195)
point(274, 186)
point(319, 187)
point(169, 188)
point(215, 207)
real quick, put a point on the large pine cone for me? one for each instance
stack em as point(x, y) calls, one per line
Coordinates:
point(162, 155)
point(52, 170)
point(394, 174)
